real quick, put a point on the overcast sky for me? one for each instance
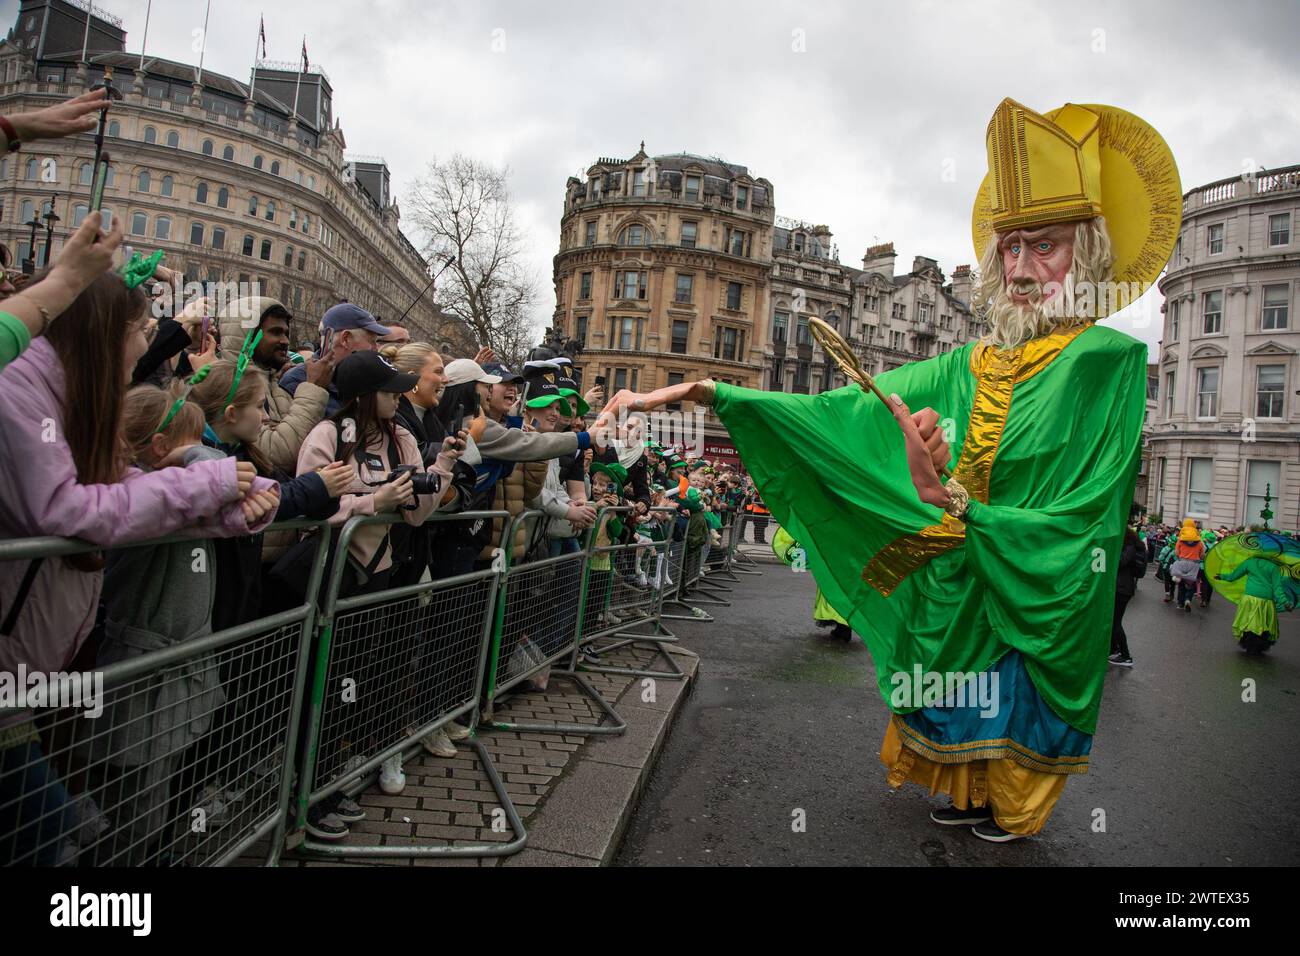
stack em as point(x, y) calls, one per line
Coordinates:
point(853, 110)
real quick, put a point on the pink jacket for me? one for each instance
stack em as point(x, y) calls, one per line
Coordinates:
point(40, 495)
point(320, 449)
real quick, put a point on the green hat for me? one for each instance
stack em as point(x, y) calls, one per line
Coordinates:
point(691, 501)
point(675, 463)
point(616, 472)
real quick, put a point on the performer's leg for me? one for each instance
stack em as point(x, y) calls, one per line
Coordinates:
point(1022, 799)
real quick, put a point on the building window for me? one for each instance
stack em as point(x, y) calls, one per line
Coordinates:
point(900, 311)
point(302, 260)
point(139, 224)
point(629, 285)
point(206, 148)
point(1207, 392)
point(1199, 483)
point(584, 286)
point(1215, 236)
point(275, 168)
point(1279, 229)
point(196, 233)
point(1262, 477)
point(28, 210)
point(162, 228)
point(801, 332)
point(1276, 303)
point(228, 154)
point(223, 197)
point(257, 161)
point(1173, 321)
point(591, 233)
point(690, 231)
point(681, 335)
point(733, 296)
point(293, 218)
point(581, 334)
point(625, 333)
point(252, 205)
point(248, 245)
point(218, 238)
point(638, 182)
point(675, 378)
point(801, 376)
point(201, 193)
point(729, 343)
point(693, 188)
point(270, 210)
point(1169, 395)
point(150, 134)
point(173, 139)
point(778, 370)
point(742, 197)
point(288, 257)
point(633, 235)
point(143, 182)
point(1212, 312)
point(1270, 380)
point(685, 287)
point(780, 326)
point(266, 249)
point(311, 183)
point(168, 184)
point(738, 242)
point(115, 129)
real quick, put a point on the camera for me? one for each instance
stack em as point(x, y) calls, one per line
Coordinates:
point(422, 483)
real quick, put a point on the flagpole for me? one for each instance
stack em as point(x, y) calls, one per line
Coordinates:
point(145, 41)
point(85, 38)
point(202, 50)
point(253, 86)
point(298, 82)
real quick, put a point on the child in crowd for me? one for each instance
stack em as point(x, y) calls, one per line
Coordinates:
point(606, 481)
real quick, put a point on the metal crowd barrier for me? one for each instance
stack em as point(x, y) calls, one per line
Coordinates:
point(541, 612)
point(188, 761)
point(390, 667)
point(633, 606)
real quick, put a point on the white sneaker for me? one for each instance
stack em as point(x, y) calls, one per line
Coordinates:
point(438, 744)
point(642, 581)
point(391, 779)
point(455, 731)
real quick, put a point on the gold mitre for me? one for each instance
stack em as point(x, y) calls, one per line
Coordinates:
point(1077, 162)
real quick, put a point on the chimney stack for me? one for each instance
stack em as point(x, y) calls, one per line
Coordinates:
point(880, 260)
point(961, 284)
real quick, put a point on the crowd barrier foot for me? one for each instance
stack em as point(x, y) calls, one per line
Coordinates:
point(696, 613)
point(705, 597)
point(632, 639)
point(618, 725)
point(312, 848)
point(711, 582)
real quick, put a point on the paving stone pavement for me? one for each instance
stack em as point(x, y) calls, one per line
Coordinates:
point(574, 792)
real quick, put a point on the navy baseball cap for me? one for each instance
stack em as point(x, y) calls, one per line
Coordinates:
point(345, 316)
point(506, 375)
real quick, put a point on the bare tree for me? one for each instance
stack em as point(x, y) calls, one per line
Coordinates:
point(462, 207)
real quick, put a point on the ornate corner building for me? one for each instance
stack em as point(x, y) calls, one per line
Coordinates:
point(1227, 427)
point(674, 268)
point(235, 182)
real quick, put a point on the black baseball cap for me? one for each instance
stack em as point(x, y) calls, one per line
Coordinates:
point(364, 373)
point(506, 375)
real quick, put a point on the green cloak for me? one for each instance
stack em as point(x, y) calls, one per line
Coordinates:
point(1050, 435)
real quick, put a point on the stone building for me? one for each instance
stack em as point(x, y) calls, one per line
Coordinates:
point(235, 182)
point(1227, 425)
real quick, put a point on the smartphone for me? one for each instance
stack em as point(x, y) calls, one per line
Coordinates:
point(600, 380)
point(97, 187)
point(203, 336)
point(457, 418)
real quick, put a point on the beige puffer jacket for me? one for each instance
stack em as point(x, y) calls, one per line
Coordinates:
point(523, 484)
point(289, 418)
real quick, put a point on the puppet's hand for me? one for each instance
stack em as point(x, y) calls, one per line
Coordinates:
point(927, 453)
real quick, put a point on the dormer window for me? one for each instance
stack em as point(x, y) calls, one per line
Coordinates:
point(742, 197)
point(638, 183)
point(693, 188)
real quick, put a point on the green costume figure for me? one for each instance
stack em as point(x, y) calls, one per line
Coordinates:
point(789, 551)
point(1255, 626)
point(987, 602)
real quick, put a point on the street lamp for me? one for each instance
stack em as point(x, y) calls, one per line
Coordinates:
point(29, 264)
point(50, 218)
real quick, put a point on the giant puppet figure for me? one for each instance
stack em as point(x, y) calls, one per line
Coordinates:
point(1005, 574)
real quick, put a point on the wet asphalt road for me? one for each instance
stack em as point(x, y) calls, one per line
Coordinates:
point(785, 718)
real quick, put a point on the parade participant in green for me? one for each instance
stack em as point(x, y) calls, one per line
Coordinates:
point(789, 550)
point(1080, 204)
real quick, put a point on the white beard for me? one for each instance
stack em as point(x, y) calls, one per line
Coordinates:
point(1012, 325)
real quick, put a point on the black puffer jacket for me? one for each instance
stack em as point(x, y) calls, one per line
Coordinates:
point(1132, 565)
